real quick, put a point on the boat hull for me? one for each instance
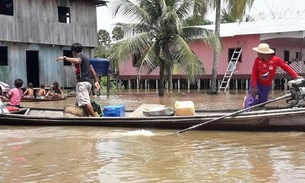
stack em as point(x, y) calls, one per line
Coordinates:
point(270, 120)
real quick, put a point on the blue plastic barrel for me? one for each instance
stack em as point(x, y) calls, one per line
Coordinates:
point(100, 65)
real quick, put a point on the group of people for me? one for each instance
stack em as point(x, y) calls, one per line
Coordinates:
point(54, 92)
point(15, 95)
point(84, 74)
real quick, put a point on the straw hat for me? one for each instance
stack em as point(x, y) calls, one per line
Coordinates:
point(263, 48)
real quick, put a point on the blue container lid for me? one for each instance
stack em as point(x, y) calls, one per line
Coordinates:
point(99, 60)
point(100, 65)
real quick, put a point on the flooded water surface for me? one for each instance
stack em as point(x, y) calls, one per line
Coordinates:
point(98, 154)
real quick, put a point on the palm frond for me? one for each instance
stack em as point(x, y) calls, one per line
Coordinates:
point(237, 8)
point(170, 23)
point(131, 12)
point(150, 58)
point(184, 8)
point(186, 58)
point(192, 33)
point(122, 50)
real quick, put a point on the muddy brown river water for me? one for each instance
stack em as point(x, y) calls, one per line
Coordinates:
point(114, 155)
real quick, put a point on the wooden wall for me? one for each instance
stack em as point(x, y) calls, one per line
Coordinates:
point(49, 69)
point(36, 21)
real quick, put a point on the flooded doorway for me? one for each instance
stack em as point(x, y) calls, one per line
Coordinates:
point(32, 67)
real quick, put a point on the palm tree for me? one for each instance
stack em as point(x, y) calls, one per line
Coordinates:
point(159, 39)
point(237, 9)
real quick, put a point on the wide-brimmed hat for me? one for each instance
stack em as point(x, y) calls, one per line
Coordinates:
point(263, 48)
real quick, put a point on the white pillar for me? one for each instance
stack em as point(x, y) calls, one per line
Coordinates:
point(129, 84)
point(178, 84)
point(145, 81)
point(188, 84)
point(198, 84)
point(236, 84)
point(285, 85)
point(157, 86)
point(272, 85)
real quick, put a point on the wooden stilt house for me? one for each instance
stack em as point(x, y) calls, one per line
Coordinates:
point(33, 33)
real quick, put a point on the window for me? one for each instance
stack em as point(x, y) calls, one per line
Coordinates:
point(7, 7)
point(67, 53)
point(135, 59)
point(64, 14)
point(298, 56)
point(236, 53)
point(286, 55)
point(3, 55)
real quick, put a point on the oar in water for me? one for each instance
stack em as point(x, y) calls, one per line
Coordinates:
point(234, 113)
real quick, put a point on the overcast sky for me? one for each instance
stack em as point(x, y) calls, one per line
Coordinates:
point(280, 9)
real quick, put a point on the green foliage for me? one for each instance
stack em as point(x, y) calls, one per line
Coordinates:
point(101, 52)
point(156, 33)
point(117, 33)
point(103, 83)
point(103, 38)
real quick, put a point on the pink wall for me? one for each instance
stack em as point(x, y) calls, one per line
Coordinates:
point(205, 53)
point(248, 55)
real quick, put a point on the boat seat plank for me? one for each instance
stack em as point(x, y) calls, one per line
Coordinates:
point(139, 111)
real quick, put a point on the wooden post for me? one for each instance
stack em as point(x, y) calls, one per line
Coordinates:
point(108, 84)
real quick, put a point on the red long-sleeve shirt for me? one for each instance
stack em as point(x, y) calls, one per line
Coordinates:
point(264, 71)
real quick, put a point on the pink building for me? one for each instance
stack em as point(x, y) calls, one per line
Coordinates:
point(285, 36)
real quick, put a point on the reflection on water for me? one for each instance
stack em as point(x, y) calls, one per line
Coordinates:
point(98, 154)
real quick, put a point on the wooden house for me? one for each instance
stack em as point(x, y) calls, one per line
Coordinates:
point(286, 37)
point(33, 33)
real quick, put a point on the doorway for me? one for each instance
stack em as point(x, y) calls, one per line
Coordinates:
point(32, 67)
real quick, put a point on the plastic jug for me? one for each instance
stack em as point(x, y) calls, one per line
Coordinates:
point(184, 108)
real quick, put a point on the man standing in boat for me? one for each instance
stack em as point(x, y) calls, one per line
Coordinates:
point(263, 73)
point(84, 72)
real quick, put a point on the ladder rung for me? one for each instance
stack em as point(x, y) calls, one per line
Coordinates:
point(230, 69)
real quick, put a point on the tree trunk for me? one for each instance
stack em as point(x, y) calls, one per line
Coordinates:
point(161, 86)
point(170, 79)
point(213, 87)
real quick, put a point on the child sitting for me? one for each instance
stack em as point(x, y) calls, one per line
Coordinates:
point(57, 91)
point(29, 92)
point(42, 92)
point(14, 95)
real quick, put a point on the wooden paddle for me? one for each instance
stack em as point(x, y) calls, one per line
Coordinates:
point(234, 113)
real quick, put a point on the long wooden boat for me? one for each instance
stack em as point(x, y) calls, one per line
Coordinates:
point(42, 99)
point(278, 119)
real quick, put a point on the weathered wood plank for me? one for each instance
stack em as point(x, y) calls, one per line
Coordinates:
point(36, 21)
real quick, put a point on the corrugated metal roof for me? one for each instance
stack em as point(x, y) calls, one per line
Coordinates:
point(259, 27)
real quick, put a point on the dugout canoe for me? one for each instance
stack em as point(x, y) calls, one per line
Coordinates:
point(42, 99)
point(279, 119)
